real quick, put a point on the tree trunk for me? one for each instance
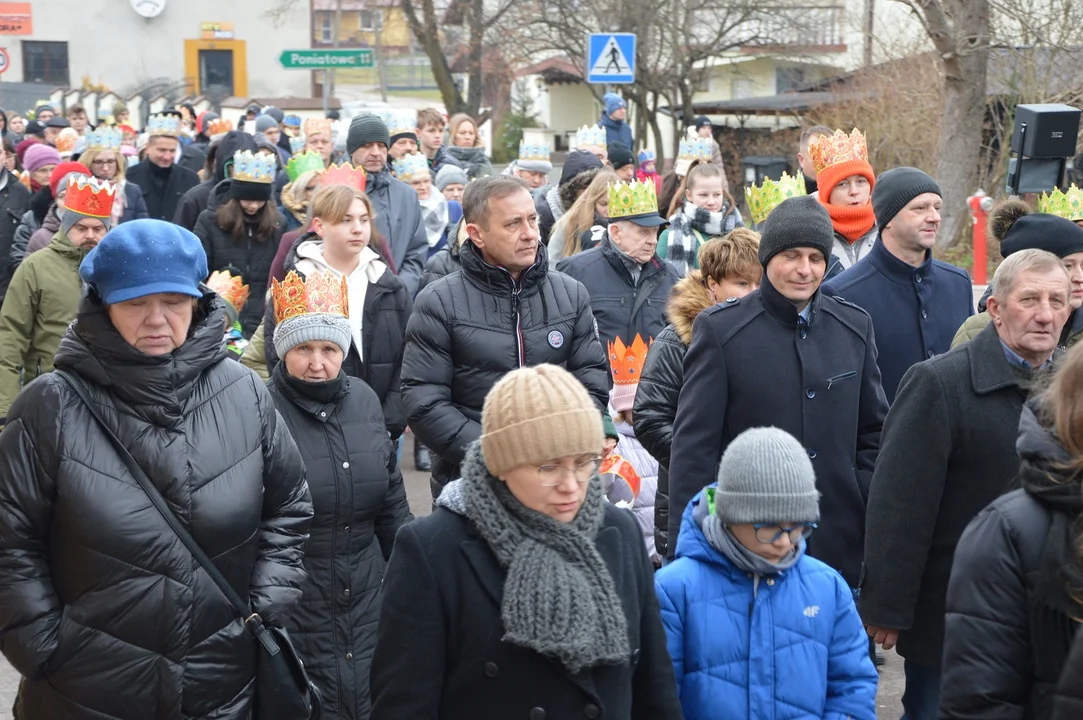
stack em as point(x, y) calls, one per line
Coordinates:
point(475, 53)
point(429, 39)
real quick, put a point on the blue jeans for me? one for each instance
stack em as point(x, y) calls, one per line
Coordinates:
point(921, 698)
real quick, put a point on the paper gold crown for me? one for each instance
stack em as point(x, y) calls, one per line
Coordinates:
point(1068, 205)
point(65, 141)
point(533, 152)
point(411, 167)
point(697, 149)
point(163, 125)
point(254, 168)
point(765, 198)
point(626, 362)
point(90, 196)
point(318, 126)
point(590, 136)
point(632, 200)
point(218, 126)
point(230, 287)
point(401, 122)
point(320, 292)
point(303, 162)
point(104, 138)
point(344, 174)
point(828, 150)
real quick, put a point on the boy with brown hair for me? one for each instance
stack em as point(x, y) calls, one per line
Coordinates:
point(430, 136)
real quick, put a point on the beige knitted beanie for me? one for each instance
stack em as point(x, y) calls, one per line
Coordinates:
point(536, 414)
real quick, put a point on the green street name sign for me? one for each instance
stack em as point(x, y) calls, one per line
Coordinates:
point(326, 59)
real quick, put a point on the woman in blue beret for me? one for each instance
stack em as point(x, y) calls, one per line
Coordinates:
point(103, 610)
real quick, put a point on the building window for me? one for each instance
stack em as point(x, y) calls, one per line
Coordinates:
point(45, 62)
point(789, 79)
point(742, 88)
point(365, 20)
point(327, 32)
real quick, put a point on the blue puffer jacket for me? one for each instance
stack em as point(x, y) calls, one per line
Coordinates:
point(811, 657)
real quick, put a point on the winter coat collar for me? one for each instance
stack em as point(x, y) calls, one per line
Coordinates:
point(318, 400)
point(495, 280)
point(989, 367)
point(895, 269)
point(623, 263)
point(687, 300)
point(611, 124)
point(62, 246)
point(782, 309)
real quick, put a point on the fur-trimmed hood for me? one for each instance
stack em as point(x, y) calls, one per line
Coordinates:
point(687, 300)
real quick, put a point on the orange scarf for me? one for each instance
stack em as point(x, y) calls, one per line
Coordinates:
point(852, 222)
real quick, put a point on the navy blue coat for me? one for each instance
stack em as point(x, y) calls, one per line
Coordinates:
point(752, 364)
point(135, 207)
point(915, 310)
point(617, 131)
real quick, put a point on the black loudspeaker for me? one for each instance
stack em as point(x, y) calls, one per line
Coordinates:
point(1045, 131)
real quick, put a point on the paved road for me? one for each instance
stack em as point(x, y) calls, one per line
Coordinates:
point(417, 490)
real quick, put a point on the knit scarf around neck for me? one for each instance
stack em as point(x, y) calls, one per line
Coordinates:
point(724, 541)
point(683, 229)
point(560, 599)
point(852, 222)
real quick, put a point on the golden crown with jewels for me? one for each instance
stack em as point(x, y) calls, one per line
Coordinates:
point(766, 197)
point(1068, 205)
point(631, 200)
point(230, 287)
point(828, 150)
point(319, 292)
point(254, 168)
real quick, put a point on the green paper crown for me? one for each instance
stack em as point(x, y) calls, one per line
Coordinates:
point(765, 198)
point(632, 200)
point(1068, 205)
point(303, 162)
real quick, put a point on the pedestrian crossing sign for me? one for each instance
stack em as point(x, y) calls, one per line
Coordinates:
point(611, 58)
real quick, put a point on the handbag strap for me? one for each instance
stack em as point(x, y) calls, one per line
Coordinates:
point(251, 620)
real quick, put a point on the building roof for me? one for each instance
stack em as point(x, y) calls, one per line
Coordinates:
point(790, 102)
point(554, 70)
point(284, 103)
point(352, 5)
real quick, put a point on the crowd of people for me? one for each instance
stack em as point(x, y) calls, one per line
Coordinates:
point(681, 466)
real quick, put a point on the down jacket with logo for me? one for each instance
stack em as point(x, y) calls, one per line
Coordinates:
point(103, 611)
point(784, 647)
point(470, 328)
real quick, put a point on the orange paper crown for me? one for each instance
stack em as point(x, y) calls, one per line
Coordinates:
point(320, 292)
point(230, 287)
point(218, 126)
point(344, 174)
point(828, 150)
point(90, 196)
point(318, 126)
point(626, 363)
point(626, 481)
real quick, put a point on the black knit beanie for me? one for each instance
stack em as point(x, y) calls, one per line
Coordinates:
point(1043, 232)
point(796, 222)
point(620, 155)
point(897, 187)
point(365, 129)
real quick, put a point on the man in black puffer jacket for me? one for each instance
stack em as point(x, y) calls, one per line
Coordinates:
point(502, 311)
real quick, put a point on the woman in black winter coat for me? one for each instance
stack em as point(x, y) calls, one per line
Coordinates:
point(103, 611)
point(525, 594)
point(357, 494)
point(241, 233)
point(729, 267)
point(1013, 603)
point(1068, 702)
point(343, 242)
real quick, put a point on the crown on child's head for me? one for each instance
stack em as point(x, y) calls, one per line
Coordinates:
point(766, 197)
point(828, 150)
point(254, 168)
point(230, 287)
point(626, 362)
point(1068, 205)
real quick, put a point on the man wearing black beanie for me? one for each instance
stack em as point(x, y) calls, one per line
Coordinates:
point(916, 302)
point(398, 212)
point(790, 357)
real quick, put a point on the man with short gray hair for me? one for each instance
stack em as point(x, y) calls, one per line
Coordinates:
point(947, 451)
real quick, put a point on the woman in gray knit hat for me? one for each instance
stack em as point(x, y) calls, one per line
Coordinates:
point(756, 627)
point(525, 594)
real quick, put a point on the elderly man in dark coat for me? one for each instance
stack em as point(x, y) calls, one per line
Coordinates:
point(948, 450)
point(791, 357)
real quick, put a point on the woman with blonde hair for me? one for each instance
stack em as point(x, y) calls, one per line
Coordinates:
point(102, 156)
point(572, 233)
point(467, 147)
point(296, 196)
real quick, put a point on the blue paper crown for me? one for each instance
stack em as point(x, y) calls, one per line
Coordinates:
point(401, 122)
point(590, 136)
point(297, 144)
point(698, 149)
point(162, 124)
point(104, 138)
point(411, 167)
point(646, 156)
point(536, 152)
point(258, 168)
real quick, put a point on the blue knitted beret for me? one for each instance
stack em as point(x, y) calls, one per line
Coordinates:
point(144, 257)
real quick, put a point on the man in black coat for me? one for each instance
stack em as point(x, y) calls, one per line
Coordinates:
point(505, 309)
point(790, 357)
point(629, 283)
point(162, 181)
point(14, 202)
point(949, 449)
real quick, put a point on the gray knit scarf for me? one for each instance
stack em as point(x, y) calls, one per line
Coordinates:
point(559, 597)
point(721, 539)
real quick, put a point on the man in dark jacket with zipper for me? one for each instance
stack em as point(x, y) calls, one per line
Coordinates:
point(916, 302)
point(504, 310)
point(629, 284)
point(162, 180)
point(791, 357)
point(14, 202)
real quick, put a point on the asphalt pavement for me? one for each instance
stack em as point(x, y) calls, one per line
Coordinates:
point(417, 491)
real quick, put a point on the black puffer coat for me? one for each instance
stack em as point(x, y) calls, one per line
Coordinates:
point(14, 202)
point(359, 503)
point(462, 337)
point(443, 263)
point(1068, 699)
point(251, 256)
point(1007, 638)
point(102, 610)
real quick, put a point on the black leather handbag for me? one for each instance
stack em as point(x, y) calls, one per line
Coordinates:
point(283, 689)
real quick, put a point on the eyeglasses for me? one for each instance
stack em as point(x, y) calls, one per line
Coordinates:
point(103, 163)
point(553, 475)
point(768, 533)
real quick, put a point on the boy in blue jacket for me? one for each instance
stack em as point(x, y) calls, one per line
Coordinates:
point(756, 628)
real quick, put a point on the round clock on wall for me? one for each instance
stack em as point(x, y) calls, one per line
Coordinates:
point(148, 8)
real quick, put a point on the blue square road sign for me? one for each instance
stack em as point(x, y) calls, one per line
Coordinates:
point(611, 58)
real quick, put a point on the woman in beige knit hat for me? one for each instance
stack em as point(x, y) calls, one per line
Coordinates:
point(525, 594)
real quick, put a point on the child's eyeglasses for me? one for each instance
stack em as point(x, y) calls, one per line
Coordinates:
point(768, 533)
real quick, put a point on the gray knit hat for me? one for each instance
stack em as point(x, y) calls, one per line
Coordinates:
point(897, 187)
point(797, 222)
point(265, 122)
point(450, 175)
point(766, 476)
point(365, 129)
point(312, 327)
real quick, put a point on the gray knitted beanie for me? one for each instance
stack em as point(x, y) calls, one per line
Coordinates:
point(797, 222)
point(365, 129)
point(312, 327)
point(766, 476)
point(896, 188)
